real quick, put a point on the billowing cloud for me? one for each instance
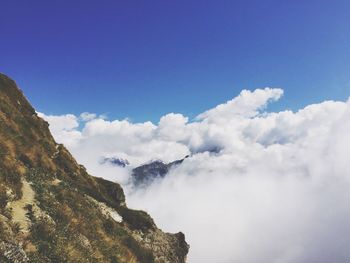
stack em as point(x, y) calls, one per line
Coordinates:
point(64, 128)
point(246, 104)
point(258, 186)
point(87, 116)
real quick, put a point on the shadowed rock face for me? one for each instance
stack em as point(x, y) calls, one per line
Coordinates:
point(145, 174)
point(68, 215)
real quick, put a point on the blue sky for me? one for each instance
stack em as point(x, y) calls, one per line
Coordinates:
point(142, 59)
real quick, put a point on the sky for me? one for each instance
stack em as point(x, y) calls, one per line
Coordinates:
point(254, 92)
point(140, 59)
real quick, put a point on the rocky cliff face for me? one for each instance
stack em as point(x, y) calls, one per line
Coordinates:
point(52, 210)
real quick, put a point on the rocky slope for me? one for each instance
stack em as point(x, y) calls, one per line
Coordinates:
point(52, 210)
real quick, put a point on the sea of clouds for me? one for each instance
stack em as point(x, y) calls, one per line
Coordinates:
point(258, 186)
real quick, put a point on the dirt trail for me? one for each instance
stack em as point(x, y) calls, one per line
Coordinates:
point(18, 210)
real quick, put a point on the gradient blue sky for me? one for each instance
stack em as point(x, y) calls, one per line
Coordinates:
point(142, 59)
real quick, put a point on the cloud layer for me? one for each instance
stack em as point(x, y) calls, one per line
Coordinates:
point(258, 187)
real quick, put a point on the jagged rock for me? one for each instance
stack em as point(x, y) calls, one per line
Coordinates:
point(162, 245)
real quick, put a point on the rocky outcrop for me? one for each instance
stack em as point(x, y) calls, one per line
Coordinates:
point(162, 245)
point(10, 248)
point(14, 253)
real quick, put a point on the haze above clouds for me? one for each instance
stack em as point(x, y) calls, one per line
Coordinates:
point(258, 186)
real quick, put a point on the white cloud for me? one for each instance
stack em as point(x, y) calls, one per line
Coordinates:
point(87, 116)
point(63, 128)
point(246, 104)
point(258, 187)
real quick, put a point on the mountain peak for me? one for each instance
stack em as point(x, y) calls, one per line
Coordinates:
point(145, 174)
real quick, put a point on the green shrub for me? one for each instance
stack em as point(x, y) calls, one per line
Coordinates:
point(25, 160)
point(3, 198)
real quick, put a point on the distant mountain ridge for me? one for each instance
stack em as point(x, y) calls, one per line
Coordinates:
point(145, 174)
point(52, 210)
